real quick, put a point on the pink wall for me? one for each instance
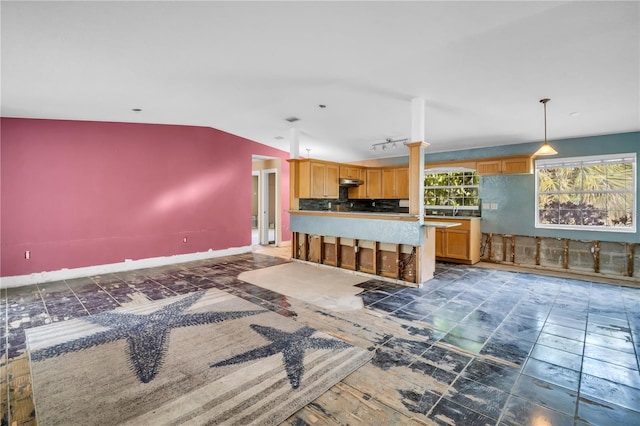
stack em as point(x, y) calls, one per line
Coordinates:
point(88, 193)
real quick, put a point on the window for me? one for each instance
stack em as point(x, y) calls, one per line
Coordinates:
point(587, 193)
point(451, 190)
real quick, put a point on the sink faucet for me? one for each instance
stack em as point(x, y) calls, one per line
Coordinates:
point(454, 207)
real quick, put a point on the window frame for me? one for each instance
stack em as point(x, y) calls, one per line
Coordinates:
point(585, 161)
point(449, 171)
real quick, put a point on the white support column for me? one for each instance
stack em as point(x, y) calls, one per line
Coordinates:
point(416, 146)
point(294, 143)
point(418, 121)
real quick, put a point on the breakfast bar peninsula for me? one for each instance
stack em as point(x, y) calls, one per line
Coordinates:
point(391, 244)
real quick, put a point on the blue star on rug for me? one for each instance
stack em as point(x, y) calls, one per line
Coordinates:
point(147, 335)
point(292, 346)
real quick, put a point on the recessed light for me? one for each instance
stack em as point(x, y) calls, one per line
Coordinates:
point(136, 109)
point(292, 119)
point(279, 137)
point(574, 114)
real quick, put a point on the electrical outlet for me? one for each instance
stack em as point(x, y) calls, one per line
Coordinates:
point(329, 204)
point(494, 206)
point(27, 255)
point(184, 240)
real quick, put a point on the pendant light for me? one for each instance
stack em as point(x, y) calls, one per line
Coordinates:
point(545, 149)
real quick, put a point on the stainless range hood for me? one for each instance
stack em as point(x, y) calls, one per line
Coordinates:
point(350, 182)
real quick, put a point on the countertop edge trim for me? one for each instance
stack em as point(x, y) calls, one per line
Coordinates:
point(355, 215)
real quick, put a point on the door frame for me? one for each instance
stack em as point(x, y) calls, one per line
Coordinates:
point(263, 206)
point(256, 173)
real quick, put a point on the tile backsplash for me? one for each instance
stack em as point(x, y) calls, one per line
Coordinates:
point(382, 205)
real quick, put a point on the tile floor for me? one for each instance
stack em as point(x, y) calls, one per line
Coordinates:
point(474, 346)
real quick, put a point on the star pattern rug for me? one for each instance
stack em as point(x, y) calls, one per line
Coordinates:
point(204, 358)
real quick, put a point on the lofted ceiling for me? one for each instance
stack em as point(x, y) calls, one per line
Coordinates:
point(245, 67)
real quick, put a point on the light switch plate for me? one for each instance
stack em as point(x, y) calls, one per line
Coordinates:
point(494, 206)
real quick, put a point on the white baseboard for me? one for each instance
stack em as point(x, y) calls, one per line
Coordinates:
point(127, 265)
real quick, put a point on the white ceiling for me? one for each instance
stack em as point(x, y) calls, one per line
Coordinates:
point(243, 67)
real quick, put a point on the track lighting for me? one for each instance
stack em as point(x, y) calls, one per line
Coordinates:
point(385, 144)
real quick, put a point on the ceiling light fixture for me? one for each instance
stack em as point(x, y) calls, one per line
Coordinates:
point(387, 142)
point(545, 149)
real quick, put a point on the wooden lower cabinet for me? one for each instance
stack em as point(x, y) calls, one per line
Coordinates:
point(460, 244)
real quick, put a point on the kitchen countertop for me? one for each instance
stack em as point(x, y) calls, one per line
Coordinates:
point(432, 220)
point(437, 224)
point(441, 217)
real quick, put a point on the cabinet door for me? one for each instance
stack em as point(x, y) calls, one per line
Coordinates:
point(517, 165)
point(402, 183)
point(440, 240)
point(493, 167)
point(374, 183)
point(331, 184)
point(457, 244)
point(317, 180)
point(303, 189)
point(388, 183)
point(359, 192)
point(349, 172)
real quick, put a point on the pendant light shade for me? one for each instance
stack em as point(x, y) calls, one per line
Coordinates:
point(545, 149)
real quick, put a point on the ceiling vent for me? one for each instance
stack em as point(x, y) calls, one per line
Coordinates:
point(292, 119)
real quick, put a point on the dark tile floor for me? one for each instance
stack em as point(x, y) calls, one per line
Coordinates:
point(473, 346)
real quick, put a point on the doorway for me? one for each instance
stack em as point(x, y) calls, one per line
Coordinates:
point(268, 203)
point(265, 220)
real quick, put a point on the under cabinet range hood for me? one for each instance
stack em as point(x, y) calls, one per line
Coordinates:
point(350, 182)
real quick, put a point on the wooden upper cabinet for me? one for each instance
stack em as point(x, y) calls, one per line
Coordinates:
point(388, 183)
point(402, 183)
point(317, 179)
point(395, 183)
point(356, 192)
point(505, 165)
point(517, 165)
point(374, 183)
point(350, 172)
point(331, 181)
point(490, 167)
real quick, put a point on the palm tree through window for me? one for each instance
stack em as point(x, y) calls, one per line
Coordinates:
point(594, 193)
